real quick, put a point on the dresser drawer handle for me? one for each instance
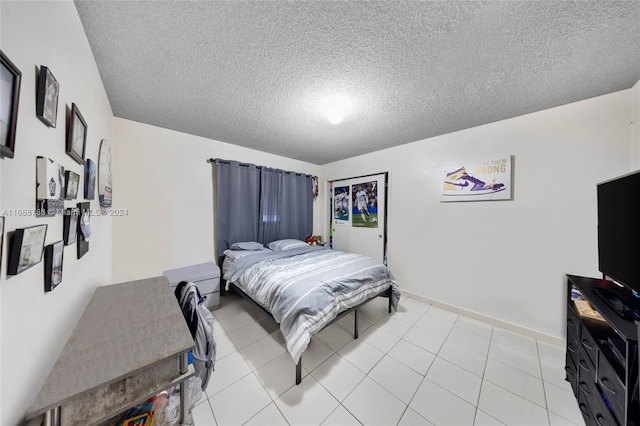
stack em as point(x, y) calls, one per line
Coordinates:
point(602, 382)
point(600, 419)
point(586, 344)
point(570, 322)
point(585, 388)
point(584, 410)
point(570, 348)
point(582, 365)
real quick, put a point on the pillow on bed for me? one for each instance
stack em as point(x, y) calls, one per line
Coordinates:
point(281, 245)
point(230, 256)
point(236, 254)
point(246, 245)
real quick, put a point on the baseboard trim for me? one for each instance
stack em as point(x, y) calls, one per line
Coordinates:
point(488, 319)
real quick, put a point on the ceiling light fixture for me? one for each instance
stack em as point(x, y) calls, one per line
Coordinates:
point(335, 108)
point(335, 115)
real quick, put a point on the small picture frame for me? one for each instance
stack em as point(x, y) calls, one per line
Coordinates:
point(84, 229)
point(50, 187)
point(10, 77)
point(72, 183)
point(70, 225)
point(77, 135)
point(26, 249)
point(47, 98)
point(1, 237)
point(53, 265)
point(90, 180)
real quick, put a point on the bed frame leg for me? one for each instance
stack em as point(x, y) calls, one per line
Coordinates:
point(390, 294)
point(355, 324)
point(299, 371)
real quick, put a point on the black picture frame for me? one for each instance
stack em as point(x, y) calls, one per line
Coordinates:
point(50, 187)
point(1, 239)
point(70, 225)
point(71, 184)
point(53, 255)
point(27, 245)
point(84, 229)
point(10, 76)
point(89, 179)
point(47, 97)
point(77, 135)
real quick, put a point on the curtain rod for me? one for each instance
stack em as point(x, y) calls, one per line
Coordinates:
point(213, 160)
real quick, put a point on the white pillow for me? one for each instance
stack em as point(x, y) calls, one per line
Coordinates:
point(281, 245)
point(246, 245)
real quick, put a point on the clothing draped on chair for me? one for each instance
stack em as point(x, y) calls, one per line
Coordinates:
point(261, 204)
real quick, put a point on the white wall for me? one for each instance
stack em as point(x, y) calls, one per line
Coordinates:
point(35, 325)
point(504, 259)
point(163, 182)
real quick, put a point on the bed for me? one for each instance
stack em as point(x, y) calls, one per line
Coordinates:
point(305, 288)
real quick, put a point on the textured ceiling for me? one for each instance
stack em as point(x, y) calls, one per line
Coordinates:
point(253, 73)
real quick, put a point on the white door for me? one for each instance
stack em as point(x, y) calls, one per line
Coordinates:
point(363, 231)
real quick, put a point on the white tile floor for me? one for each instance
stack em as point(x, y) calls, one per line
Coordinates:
point(421, 365)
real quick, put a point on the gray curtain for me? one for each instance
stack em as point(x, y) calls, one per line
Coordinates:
point(238, 202)
point(261, 204)
point(297, 206)
point(270, 204)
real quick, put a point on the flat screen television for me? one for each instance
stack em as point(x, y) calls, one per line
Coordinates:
point(619, 232)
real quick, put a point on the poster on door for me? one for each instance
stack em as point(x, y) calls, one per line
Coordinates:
point(365, 205)
point(341, 205)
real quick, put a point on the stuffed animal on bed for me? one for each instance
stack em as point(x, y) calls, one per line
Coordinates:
point(314, 240)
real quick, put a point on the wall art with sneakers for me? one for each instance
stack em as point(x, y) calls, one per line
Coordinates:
point(485, 179)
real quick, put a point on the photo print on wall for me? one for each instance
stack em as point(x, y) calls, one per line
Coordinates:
point(71, 183)
point(1, 237)
point(70, 225)
point(53, 265)
point(90, 180)
point(10, 77)
point(47, 98)
point(77, 141)
point(83, 229)
point(50, 189)
point(26, 249)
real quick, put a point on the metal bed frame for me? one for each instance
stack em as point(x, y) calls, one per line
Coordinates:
point(385, 293)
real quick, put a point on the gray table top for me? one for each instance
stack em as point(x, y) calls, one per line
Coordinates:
point(124, 328)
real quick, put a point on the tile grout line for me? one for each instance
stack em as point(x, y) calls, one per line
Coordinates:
point(430, 366)
point(484, 371)
point(544, 389)
point(365, 376)
point(387, 353)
